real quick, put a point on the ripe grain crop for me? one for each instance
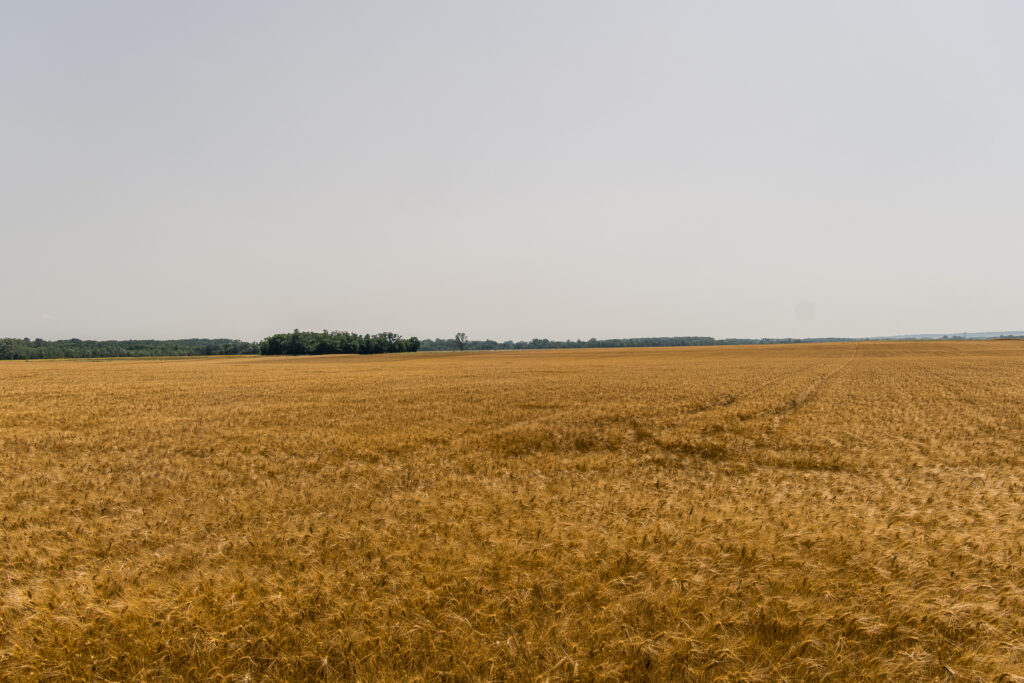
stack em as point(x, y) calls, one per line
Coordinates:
point(798, 512)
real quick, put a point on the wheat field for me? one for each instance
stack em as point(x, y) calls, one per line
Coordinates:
point(796, 512)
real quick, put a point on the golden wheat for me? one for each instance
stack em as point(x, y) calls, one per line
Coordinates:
point(800, 512)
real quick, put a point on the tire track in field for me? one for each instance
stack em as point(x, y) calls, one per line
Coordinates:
point(744, 442)
point(688, 412)
point(733, 399)
point(555, 419)
point(716, 444)
point(558, 419)
point(785, 409)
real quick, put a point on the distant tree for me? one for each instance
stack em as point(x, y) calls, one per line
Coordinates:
point(460, 341)
point(297, 343)
point(132, 348)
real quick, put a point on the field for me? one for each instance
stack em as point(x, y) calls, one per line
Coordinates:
point(801, 512)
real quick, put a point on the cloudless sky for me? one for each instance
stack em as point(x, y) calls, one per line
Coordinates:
point(511, 170)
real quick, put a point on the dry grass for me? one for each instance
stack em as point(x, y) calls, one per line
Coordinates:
point(802, 512)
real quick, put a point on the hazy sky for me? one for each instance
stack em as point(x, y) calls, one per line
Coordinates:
point(512, 170)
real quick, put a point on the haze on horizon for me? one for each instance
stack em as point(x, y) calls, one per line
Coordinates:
point(513, 170)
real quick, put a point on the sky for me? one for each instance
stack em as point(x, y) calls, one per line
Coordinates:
point(567, 169)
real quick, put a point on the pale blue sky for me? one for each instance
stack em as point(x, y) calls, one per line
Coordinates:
point(513, 170)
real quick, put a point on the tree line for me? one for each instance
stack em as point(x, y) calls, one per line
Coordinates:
point(27, 349)
point(298, 343)
point(461, 343)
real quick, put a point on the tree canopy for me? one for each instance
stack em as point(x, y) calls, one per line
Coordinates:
point(26, 349)
point(298, 343)
point(463, 344)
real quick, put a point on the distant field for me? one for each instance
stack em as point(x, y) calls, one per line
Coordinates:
point(810, 512)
